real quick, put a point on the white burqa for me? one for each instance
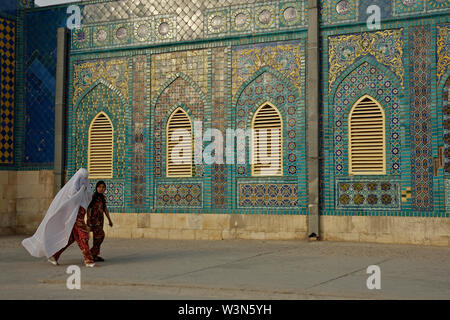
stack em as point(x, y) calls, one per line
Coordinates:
point(54, 231)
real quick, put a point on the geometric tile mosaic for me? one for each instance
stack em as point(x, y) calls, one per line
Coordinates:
point(177, 79)
point(191, 102)
point(267, 87)
point(447, 195)
point(219, 57)
point(179, 195)
point(420, 122)
point(99, 98)
point(367, 79)
point(114, 192)
point(7, 78)
point(200, 79)
point(367, 194)
point(446, 125)
point(265, 195)
point(272, 72)
point(140, 114)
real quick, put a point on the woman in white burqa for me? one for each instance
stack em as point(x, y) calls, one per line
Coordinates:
point(64, 222)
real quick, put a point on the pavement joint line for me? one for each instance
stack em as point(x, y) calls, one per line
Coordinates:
point(345, 275)
point(231, 291)
point(225, 263)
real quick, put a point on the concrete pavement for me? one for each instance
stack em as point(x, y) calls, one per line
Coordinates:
point(235, 269)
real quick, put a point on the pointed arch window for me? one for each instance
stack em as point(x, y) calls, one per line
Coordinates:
point(367, 138)
point(179, 145)
point(100, 150)
point(267, 141)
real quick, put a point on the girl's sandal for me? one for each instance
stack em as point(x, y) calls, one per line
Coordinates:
point(90, 265)
point(53, 261)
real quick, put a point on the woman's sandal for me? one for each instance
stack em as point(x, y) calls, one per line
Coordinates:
point(53, 261)
point(90, 265)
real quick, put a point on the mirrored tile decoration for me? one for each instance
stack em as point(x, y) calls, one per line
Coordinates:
point(160, 21)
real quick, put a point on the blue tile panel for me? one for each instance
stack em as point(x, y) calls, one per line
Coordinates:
point(8, 7)
point(40, 31)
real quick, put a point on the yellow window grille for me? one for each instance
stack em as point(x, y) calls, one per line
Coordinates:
point(367, 139)
point(267, 141)
point(179, 145)
point(100, 150)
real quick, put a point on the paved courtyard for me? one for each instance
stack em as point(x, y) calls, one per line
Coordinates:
point(237, 269)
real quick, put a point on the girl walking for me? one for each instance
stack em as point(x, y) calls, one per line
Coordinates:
point(97, 208)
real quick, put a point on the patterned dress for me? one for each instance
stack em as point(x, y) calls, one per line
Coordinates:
point(96, 222)
point(80, 234)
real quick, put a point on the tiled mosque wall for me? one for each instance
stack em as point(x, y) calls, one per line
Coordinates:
point(220, 86)
point(200, 20)
point(396, 66)
point(404, 66)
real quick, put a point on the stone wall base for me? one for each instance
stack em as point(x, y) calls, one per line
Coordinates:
point(26, 195)
point(384, 229)
point(24, 199)
point(7, 202)
point(397, 230)
point(207, 226)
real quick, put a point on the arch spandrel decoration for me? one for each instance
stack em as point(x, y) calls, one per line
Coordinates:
point(101, 97)
point(385, 46)
point(193, 102)
point(382, 85)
